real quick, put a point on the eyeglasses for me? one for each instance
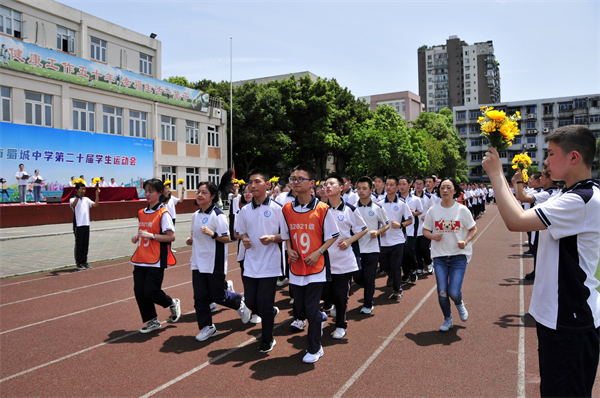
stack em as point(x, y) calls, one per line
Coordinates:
point(298, 179)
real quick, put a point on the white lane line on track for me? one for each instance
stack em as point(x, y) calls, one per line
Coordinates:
point(92, 308)
point(387, 341)
point(521, 360)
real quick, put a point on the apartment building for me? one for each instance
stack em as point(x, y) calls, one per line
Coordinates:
point(407, 104)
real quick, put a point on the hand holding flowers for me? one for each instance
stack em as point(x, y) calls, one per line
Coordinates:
point(498, 128)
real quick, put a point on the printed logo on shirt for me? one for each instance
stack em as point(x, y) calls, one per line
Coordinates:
point(371, 213)
point(341, 217)
point(447, 226)
point(146, 224)
point(267, 213)
point(204, 220)
point(396, 208)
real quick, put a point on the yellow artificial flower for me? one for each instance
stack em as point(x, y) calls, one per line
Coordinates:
point(180, 181)
point(274, 179)
point(96, 181)
point(168, 182)
point(498, 116)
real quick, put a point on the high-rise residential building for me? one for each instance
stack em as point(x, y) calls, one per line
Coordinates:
point(539, 117)
point(457, 74)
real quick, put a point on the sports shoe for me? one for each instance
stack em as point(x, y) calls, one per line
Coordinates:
point(255, 319)
point(298, 324)
point(230, 286)
point(267, 346)
point(526, 243)
point(413, 277)
point(528, 253)
point(333, 312)
point(327, 307)
point(244, 312)
point(430, 269)
point(173, 251)
point(323, 319)
point(380, 271)
point(339, 333)
point(419, 271)
point(150, 326)
point(397, 295)
point(447, 325)
point(405, 279)
point(206, 332)
point(312, 358)
point(389, 282)
point(283, 282)
point(275, 312)
point(175, 311)
point(366, 310)
point(80, 267)
point(462, 311)
point(87, 266)
point(214, 307)
point(530, 276)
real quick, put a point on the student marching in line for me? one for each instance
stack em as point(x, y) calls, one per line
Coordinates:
point(377, 223)
point(349, 195)
point(152, 256)
point(209, 238)
point(258, 225)
point(309, 230)
point(81, 223)
point(565, 302)
point(409, 258)
point(344, 255)
point(422, 250)
point(393, 242)
point(451, 228)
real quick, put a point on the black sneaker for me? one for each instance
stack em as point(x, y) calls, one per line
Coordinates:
point(413, 277)
point(327, 307)
point(80, 267)
point(530, 276)
point(87, 266)
point(405, 279)
point(267, 346)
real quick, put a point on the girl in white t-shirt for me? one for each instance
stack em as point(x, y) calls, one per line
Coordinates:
point(451, 228)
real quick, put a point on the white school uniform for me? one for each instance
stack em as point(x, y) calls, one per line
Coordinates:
point(398, 211)
point(375, 217)
point(349, 222)
point(207, 253)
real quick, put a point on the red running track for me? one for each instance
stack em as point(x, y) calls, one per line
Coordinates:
point(75, 334)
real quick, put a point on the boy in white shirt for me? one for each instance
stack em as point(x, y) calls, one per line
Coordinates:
point(81, 223)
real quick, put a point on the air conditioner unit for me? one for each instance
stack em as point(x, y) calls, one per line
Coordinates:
point(532, 146)
point(215, 112)
point(546, 130)
point(531, 116)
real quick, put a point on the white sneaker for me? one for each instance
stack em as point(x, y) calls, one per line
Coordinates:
point(323, 321)
point(244, 312)
point(312, 358)
point(366, 310)
point(430, 269)
point(151, 326)
point(462, 311)
point(339, 333)
point(298, 324)
point(333, 312)
point(283, 282)
point(275, 312)
point(230, 286)
point(255, 319)
point(173, 251)
point(175, 311)
point(214, 307)
point(447, 325)
point(208, 331)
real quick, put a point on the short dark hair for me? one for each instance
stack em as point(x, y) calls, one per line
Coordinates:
point(21, 164)
point(382, 178)
point(346, 176)
point(212, 189)
point(262, 172)
point(79, 185)
point(365, 179)
point(536, 175)
point(419, 178)
point(434, 179)
point(407, 178)
point(337, 177)
point(458, 190)
point(396, 180)
point(575, 137)
point(309, 170)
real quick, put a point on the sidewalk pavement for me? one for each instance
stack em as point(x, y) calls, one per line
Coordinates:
point(24, 250)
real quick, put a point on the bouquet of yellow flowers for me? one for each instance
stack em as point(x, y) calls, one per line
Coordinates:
point(498, 128)
point(274, 180)
point(96, 181)
point(239, 182)
point(180, 181)
point(522, 161)
point(80, 181)
point(168, 182)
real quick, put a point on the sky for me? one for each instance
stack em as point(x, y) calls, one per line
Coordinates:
point(546, 49)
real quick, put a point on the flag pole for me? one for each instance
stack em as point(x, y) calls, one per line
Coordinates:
point(231, 97)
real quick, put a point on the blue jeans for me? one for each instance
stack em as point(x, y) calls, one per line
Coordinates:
point(449, 275)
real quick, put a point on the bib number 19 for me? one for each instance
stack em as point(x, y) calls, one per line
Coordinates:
point(304, 244)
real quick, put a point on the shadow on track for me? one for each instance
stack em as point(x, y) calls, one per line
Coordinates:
point(435, 337)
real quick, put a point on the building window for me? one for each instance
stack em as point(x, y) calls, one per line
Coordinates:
point(517, 140)
point(548, 123)
point(468, 91)
point(531, 109)
point(468, 99)
point(112, 120)
point(65, 39)
point(593, 119)
point(474, 114)
point(582, 119)
point(430, 79)
point(531, 125)
point(430, 102)
point(468, 76)
point(137, 124)
point(474, 129)
point(467, 61)
point(580, 103)
point(565, 122)
point(462, 129)
point(475, 156)
point(191, 133)
point(83, 116)
point(467, 68)
point(534, 155)
point(167, 128)
point(98, 49)
point(548, 109)
point(431, 86)
point(503, 154)
point(192, 178)
point(146, 64)
point(38, 109)
point(6, 104)
point(531, 140)
point(461, 115)
point(466, 53)
point(213, 136)
point(10, 22)
point(169, 173)
point(475, 142)
point(213, 176)
point(565, 107)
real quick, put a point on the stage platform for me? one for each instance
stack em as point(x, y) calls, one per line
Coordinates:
point(16, 215)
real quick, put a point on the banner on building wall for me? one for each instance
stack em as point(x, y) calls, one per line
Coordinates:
point(59, 154)
point(29, 58)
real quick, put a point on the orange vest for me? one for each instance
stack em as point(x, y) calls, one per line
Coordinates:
point(149, 250)
point(306, 236)
point(461, 199)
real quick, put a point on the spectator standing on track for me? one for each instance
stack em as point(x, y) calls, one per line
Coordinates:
point(309, 230)
point(152, 256)
point(81, 223)
point(258, 224)
point(451, 228)
point(209, 238)
point(565, 302)
point(344, 255)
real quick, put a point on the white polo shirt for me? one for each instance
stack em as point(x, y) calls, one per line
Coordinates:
point(330, 230)
point(543, 196)
point(349, 222)
point(564, 294)
point(261, 261)
point(375, 217)
point(398, 211)
point(170, 205)
point(351, 197)
point(426, 204)
point(209, 256)
point(415, 204)
point(434, 198)
point(378, 198)
point(82, 211)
